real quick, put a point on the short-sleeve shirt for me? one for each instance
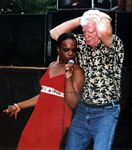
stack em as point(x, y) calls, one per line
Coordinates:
point(102, 68)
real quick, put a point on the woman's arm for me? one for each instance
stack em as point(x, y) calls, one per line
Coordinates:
point(14, 109)
point(74, 85)
point(67, 26)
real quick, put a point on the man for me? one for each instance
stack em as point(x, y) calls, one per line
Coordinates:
point(101, 56)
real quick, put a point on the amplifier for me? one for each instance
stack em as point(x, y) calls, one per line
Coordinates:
point(73, 4)
point(105, 4)
point(87, 4)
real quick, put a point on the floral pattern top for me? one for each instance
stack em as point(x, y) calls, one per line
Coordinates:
point(102, 67)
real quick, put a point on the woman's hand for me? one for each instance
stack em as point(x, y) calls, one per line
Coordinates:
point(69, 70)
point(12, 110)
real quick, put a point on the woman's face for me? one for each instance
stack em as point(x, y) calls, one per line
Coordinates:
point(67, 50)
point(91, 35)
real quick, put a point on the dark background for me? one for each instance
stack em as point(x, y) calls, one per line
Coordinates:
point(25, 42)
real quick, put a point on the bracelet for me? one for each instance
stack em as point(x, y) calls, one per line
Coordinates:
point(18, 108)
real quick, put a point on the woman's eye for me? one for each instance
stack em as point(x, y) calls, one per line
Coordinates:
point(66, 49)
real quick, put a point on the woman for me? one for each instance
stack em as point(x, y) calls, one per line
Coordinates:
point(61, 90)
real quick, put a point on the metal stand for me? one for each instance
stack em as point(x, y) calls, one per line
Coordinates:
point(92, 4)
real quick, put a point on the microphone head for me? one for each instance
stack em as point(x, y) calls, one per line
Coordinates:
point(71, 61)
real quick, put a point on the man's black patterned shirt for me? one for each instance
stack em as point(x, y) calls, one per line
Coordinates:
point(102, 67)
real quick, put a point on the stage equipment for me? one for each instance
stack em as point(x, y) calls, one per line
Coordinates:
point(87, 4)
point(105, 4)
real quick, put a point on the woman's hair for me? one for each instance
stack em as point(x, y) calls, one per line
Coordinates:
point(63, 37)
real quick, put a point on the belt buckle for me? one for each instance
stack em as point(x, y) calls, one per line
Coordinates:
point(98, 104)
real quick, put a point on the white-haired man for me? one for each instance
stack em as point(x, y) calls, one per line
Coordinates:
point(101, 56)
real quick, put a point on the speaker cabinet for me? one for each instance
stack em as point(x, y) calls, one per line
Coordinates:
point(85, 4)
point(73, 4)
point(124, 31)
point(22, 40)
point(106, 4)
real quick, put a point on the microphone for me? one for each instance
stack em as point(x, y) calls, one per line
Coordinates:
point(71, 61)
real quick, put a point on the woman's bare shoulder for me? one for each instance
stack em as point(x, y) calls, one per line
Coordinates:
point(51, 64)
point(78, 68)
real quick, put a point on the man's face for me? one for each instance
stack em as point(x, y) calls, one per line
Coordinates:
point(91, 35)
point(67, 50)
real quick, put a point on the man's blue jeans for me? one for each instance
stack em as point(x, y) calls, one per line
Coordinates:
point(96, 123)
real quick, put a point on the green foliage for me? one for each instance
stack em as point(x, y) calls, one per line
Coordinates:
point(38, 6)
point(27, 6)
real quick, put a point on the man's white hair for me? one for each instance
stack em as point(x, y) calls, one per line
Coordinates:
point(93, 16)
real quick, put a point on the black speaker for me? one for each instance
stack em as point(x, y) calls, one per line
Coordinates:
point(124, 31)
point(23, 40)
point(85, 4)
point(106, 4)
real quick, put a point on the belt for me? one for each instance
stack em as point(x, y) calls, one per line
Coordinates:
point(101, 105)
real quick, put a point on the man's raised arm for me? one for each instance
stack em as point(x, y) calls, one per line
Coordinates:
point(67, 26)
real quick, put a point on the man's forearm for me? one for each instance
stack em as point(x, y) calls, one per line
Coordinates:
point(67, 26)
